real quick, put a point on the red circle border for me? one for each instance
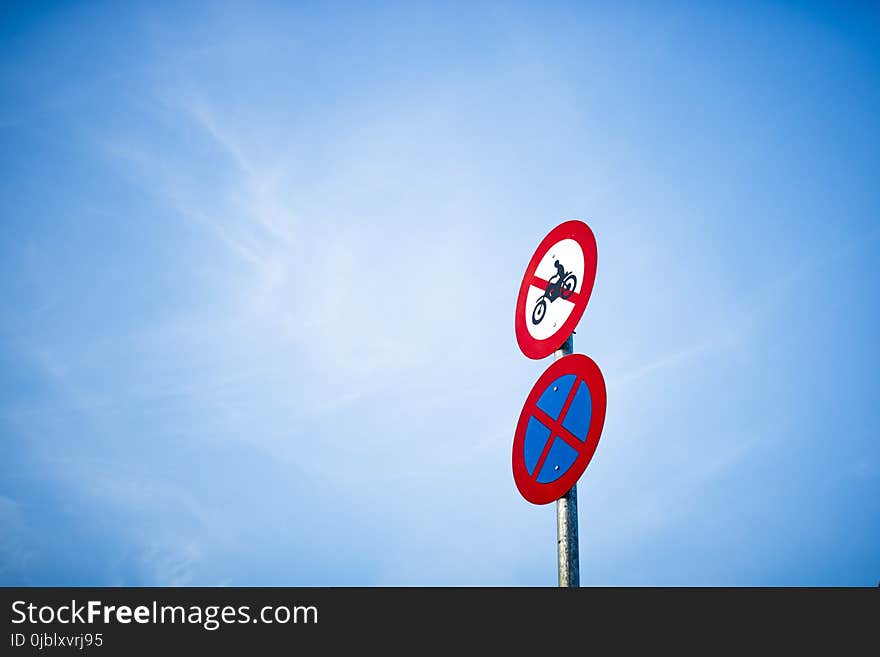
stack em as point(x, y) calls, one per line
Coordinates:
point(587, 370)
point(583, 235)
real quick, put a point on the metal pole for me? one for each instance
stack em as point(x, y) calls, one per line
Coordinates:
point(567, 517)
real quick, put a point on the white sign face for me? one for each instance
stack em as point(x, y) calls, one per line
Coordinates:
point(553, 289)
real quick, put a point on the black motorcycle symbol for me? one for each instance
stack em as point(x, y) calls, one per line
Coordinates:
point(564, 285)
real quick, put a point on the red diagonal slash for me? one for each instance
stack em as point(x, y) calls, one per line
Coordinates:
point(541, 283)
point(556, 428)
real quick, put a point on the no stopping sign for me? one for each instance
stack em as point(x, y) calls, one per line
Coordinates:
point(558, 429)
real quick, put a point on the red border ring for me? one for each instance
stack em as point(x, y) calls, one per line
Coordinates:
point(581, 233)
point(587, 370)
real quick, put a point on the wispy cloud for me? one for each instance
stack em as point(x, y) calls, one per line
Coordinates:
point(16, 550)
point(171, 564)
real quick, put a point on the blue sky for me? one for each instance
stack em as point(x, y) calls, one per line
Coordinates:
point(258, 265)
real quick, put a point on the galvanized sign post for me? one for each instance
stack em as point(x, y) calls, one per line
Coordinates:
point(567, 547)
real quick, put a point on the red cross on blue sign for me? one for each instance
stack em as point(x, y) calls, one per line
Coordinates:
point(559, 428)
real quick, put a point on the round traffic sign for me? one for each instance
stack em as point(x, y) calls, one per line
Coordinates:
point(558, 429)
point(555, 289)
